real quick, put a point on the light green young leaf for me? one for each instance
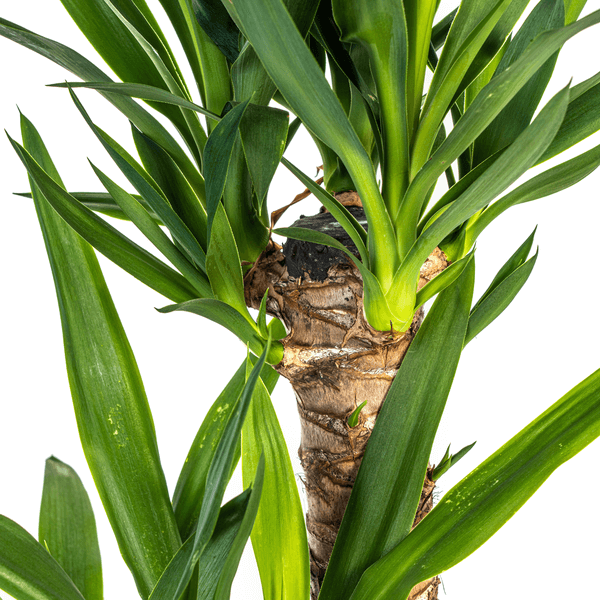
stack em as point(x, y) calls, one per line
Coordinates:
point(474, 509)
point(67, 528)
point(27, 570)
point(279, 530)
point(492, 99)
point(388, 486)
point(449, 460)
point(517, 159)
point(353, 418)
point(442, 281)
point(113, 416)
point(387, 47)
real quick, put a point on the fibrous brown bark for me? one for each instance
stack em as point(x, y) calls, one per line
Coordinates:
point(334, 361)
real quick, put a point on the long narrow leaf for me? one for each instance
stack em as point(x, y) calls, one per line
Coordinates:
point(388, 486)
point(474, 509)
point(219, 472)
point(108, 240)
point(113, 416)
point(158, 203)
point(78, 65)
point(138, 215)
point(519, 157)
point(512, 120)
point(549, 182)
point(27, 570)
point(279, 530)
point(231, 319)
point(67, 528)
point(493, 305)
point(492, 99)
point(191, 484)
point(127, 58)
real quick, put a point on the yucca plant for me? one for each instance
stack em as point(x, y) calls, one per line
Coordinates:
point(396, 95)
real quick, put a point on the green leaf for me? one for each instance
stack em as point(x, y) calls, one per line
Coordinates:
point(291, 65)
point(263, 131)
point(440, 30)
point(582, 118)
point(515, 117)
point(341, 214)
point(449, 460)
point(549, 182)
point(441, 281)
point(113, 416)
point(231, 319)
point(144, 222)
point(279, 530)
point(27, 571)
point(520, 156)
point(220, 552)
point(512, 264)
point(217, 155)
point(108, 240)
point(474, 509)
point(353, 418)
point(191, 484)
point(219, 473)
point(122, 51)
point(230, 565)
point(261, 320)
point(492, 99)
point(67, 528)
point(490, 307)
point(138, 90)
point(387, 47)
point(224, 267)
point(157, 201)
point(219, 26)
point(174, 185)
point(103, 203)
point(388, 486)
point(80, 66)
point(450, 73)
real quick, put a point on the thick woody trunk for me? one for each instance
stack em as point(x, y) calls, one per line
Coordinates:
point(334, 361)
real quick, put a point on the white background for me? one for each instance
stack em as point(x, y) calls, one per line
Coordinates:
point(542, 346)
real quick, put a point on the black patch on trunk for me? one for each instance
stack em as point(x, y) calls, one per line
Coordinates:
point(303, 258)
